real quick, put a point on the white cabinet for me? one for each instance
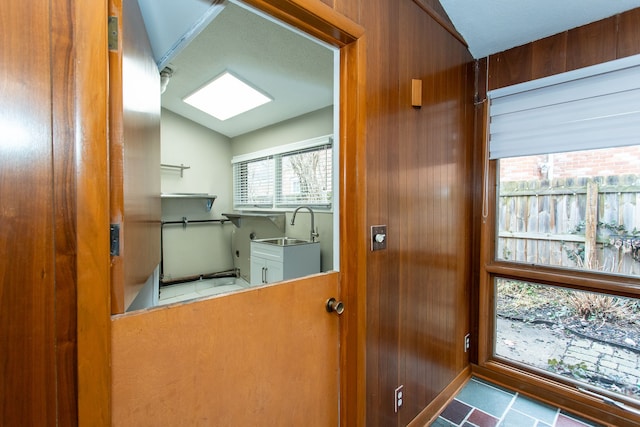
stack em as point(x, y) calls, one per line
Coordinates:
point(265, 271)
point(273, 263)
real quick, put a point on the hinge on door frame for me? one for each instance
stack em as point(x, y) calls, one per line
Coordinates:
point(114, 238)
point(113, 32)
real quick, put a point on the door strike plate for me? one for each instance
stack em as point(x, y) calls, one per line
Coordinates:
point(378, 237)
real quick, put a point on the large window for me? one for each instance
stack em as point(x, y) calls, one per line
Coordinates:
point(577, 210)
point(565, 270)
point(298, 174)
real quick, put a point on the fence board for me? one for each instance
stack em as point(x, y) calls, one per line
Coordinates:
point(547, 225)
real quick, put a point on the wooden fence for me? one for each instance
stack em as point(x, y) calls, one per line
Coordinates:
point(591, 223)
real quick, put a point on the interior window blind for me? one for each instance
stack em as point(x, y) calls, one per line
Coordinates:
point(253, 183)
point(296, 174)
point(590, 108)
point(305, 177)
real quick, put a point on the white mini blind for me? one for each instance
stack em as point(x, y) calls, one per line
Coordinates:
point(305, 177)
point(254, 183)
point(297, 174)
point(590, 108)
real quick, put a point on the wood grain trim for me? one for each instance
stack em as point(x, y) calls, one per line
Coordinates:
point(431, 412)
point(353, 240)
point(441, 21)
point(619, 285)
point(313, 17)
point(116, 162)
point(92, 214)
point(318, 19)
point(487, 241)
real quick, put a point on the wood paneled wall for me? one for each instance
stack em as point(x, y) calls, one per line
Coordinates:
point(38, 214)
point(601, 41)
point(418, 184)
point(27, 265)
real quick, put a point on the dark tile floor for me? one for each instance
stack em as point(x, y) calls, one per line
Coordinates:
point(481, 404)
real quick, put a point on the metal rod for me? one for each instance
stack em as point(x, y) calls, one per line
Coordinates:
point(610, 401)
point(181, 167)
point(194, 221)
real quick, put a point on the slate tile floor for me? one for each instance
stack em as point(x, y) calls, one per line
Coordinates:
point(481, 404)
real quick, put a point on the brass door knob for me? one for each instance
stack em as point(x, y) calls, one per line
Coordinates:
point(335, 306)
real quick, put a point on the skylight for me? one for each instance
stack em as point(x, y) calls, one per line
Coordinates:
point(226, 96)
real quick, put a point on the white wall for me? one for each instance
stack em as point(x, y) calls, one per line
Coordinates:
point(307, 126)
point(204, 248)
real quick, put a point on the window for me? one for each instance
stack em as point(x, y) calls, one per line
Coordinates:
point(299, 174)
point(254, 183)
point(567, 225)
point(575, 210)
point(588, 337)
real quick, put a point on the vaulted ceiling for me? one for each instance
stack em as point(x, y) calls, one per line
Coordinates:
point(200, 39)
point(491, 26)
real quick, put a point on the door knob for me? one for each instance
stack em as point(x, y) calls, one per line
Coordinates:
point(335, 306)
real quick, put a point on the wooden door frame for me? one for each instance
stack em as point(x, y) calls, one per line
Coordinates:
point(91, 118)
point(90, 67)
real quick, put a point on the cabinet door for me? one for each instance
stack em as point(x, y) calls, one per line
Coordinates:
point(257, 270)
point(274, 271)
point(265, 271)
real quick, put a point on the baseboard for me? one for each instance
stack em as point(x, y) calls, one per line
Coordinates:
point(431, 412)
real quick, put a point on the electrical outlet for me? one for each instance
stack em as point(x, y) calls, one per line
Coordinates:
point(467, 342)
point(398, 397)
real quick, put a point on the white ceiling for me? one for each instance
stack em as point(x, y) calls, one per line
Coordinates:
point(291, 68)
point(492, 26)
point(199, 40)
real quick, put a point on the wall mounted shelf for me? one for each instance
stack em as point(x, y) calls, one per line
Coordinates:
point(278, 218)
point(209, 198)
point(181, 167)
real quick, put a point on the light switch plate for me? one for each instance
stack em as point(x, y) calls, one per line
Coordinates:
point(378, 237)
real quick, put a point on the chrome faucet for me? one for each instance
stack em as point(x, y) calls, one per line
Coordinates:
point(314, 231)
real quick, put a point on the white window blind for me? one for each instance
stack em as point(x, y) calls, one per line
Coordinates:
point(305, 178)
point(287, 176)
point(590, 108)
point(253, 183)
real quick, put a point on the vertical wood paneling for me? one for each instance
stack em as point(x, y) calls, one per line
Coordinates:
point(591, 44)
point(418, 172)
point(601, 41)
point(382, 302)
point(64, 185)
point(549, 56)
point(628, 34)
point(27, 274)
point(511, 67)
